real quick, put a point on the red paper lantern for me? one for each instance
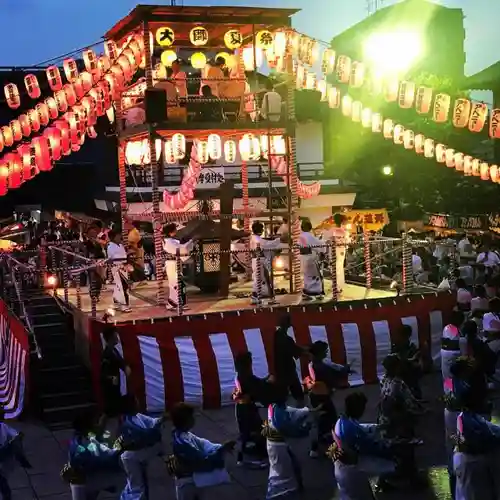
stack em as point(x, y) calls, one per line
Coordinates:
point(4, 177)
point(32, 86)
point(64, 128)
point(51, 104)
point(90, 60)
point(103, 64)
point(34, 119)
point(70, 93)
point(8, 136)
point(125, 66)
point(2, 142)
point(484, 171)
point(12, 95)
point(42, 153)
point(17, 131)
point(78, 88)
point(27, 161)
point(442, 105)
point(131, 57)
point(43, 113)
point(70, 70)
point(73, 120)
point(114, 90)
point(495, 124)
point(461, 113)
point(136, 50)
point(478, 117)
point(87, 81)
point(106, 95)
point(111, 50)
point(424, 100)
point(53, 134)
point(407, 92)
point(15, 166)
point(91, 132)
point(54, 78)
point(25, 125)
point(476, 167)
point(61, 100)
point(98, 97)
point(88, 104)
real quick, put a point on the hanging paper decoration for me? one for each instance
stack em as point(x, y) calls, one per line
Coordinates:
point(43, 113)
point(313, 52)
point(124, 64)
point(442, 104)
point(356, 111)
point(134, 153)
point(51, 104)
point(366, 118)
point(459, 162)
point(280, 43)
point(423, 101)
point(246, 147)
point(347, 105)
point(388, 129)
point(429, 148)
point(202, 152)
point(25, 125)
point(53, 135)
point(64, 128)
point(179, 145)
point(42, 156)
point(165, 37)
point(484, 171)
point(169, 153)
point(495, 124)
point(27, 163)
point(70, 94)
point(278, 145)
point(419, 144)
point(450, 158)
point(87, 82)
point(233, 39)
point(301, 77)
point(230, 150)
point(377, 123)
point(104, 64)
point(78, 88)
point(343, 69)
point(32, 86)
point(214, 147)
point(91, 133)
point(111, 50)
point(14, 164)
point(461, 113)
point(248, 58)
point(333, 94)
point(409, 139)
point(398, 134)
point(198, 60)
point(322, 88)
point(264, 145)
point(168, 57)
point(12, 95)
point(328, 62)
point(264, 39)
point(4, 177)
point(468, 165)
point(440, 153)
point(8, 136)
point(311, 80)
point(90, 61)
point(476, 167)
point(494, 173)
point(407, 92)
point(61, 100)
point(198, 36)
point(119, 77)
point(391, 89)
point(358, 71)
point(54, 78)
point(478, 117)
point(15, 127)
point(70, 70)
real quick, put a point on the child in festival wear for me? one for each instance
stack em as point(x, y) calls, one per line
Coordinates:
point(324, 377)
point(250, 390)
point(196, 463)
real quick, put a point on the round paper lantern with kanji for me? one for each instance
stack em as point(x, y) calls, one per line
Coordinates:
point(168, 57)
point(4, 177)
point(450, 157)
point(104, 64)
point(119, 76)
point(32, 86)
point(51, 104)
point(311, 80)
point(249, 147)
point(198, 60)
point(280, 43)
point(198, 36)
point(134, 153)
point(478, 117)
point(495, 124)
point(494, 173)
point(388, 129)
point(42, 153)
point(442, 104)
point(264, 39)
point(127, 69)
point(407, 92)
point(429, 148)
point(8, 136)
point(485, 171)
point(409, 139)
point(366, 118)
point(136, 51)
point(468, 165)
point(301, 77)
point(17, 131)
point(278, 145)
point(333, 95)
point(328, 62)
point(110, 49)
point(54, 78)
point(87, 81)
point(70, 70)
point(24, 121)
point(233, 39)
point(53, 134)
point(214, 147)
point(440, 153)
point(476, 167)
point(179, 145)
point(249, 61)
point(419, 144)
point(377, 123)
point(398, 134)
point(90, 61)
point(322, 88)
point(358, 72)
point(12, 95)
point(391, 89)
point(70, 94)
point(459, 162)
point(114, 91)
point(423, 101)
point(344, 65)
point(461, 113)
point(2, 143)
point(73, 120)
point(43, 112)
point(202, 151)
point(347, 105)
point(356, 111)
point(169, 153)
point(230, 151)
point(15, 167)
point(28, 161)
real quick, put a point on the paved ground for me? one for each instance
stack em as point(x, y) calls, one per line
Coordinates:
point(47, 452)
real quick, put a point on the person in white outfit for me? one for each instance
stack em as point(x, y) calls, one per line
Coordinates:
point(172, 246)
point(261, 264)
point(338, 236)
point(310, 251)
point(452, 344)
point(118, 257)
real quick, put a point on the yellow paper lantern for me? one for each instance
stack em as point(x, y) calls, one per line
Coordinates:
point(377, 123)
point(450, 158)
point(214, 147)
point(485, 171)
point(198, 60)
point(168, 57)
point(459, 162)
point(419, 144)
point(476, 167)
point(233, 39)
point(409, 139)
point(478, 117)
point(230, 151)
point(388, 128)
point(344, 69)
point(398, 135)
point(366, 118)
point(461, 113)
point(328, 62)
point(347, 105)
point(179, 145)
point(198, 36)
point(249, 61)
point(424, 100)
point(357, 74)
point(169, 153)
point(264, 39)
point(429, 148)
point(440, 153)
point(165, 37)
point(442, 105)
point(202, 151)
point(333, 94)
point(407, 92)
point(468, 165)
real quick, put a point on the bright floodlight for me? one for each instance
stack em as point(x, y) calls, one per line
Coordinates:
point(393, 52)
point(387, 170)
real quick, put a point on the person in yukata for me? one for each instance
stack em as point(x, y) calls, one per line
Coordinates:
point(11, 455)
point(142, 441)
point(120, 268)
point(196, 463)
point(476, 455)
point(249, 391)
point(452, 346)
point(93, 466)
point(170, 246)
point(410, 355)
point(324, 377)
point(339, 236)
point(286, 351)
point(262, 288)
point(354, 443)
point(311, 249)
point(285, 475)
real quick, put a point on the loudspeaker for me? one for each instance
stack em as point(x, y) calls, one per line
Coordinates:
point(155, 103)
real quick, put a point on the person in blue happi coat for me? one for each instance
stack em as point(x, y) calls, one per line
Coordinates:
point(141, 437)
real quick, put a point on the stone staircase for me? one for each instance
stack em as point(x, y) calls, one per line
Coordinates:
point(60, 383)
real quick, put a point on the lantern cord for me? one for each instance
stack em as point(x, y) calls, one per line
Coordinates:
point(68, 54)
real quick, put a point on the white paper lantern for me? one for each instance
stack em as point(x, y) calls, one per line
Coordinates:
point(356, 111)
point(476, 167)
point(249, 147)
point(280, 43)
point(202, 150)
point(133, 153)
point(249, 60)
point(264, 145)
point(409, 139)
point(398, 135)
point(377, 123)
point(388, 129)
point(468, 165)
point(366, 118)
point(419, 144)
point(347, 105)
point(168, 152)
point(230, 151)
point(278, 145)
point(322, 87)
point(449, 158)
point(440, 153)
point(179, 145)
point(459, 162)
point(333, 94)
point(214, 147)
point(429, 148)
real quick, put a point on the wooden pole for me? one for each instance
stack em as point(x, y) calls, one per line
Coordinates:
point(226, 207)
